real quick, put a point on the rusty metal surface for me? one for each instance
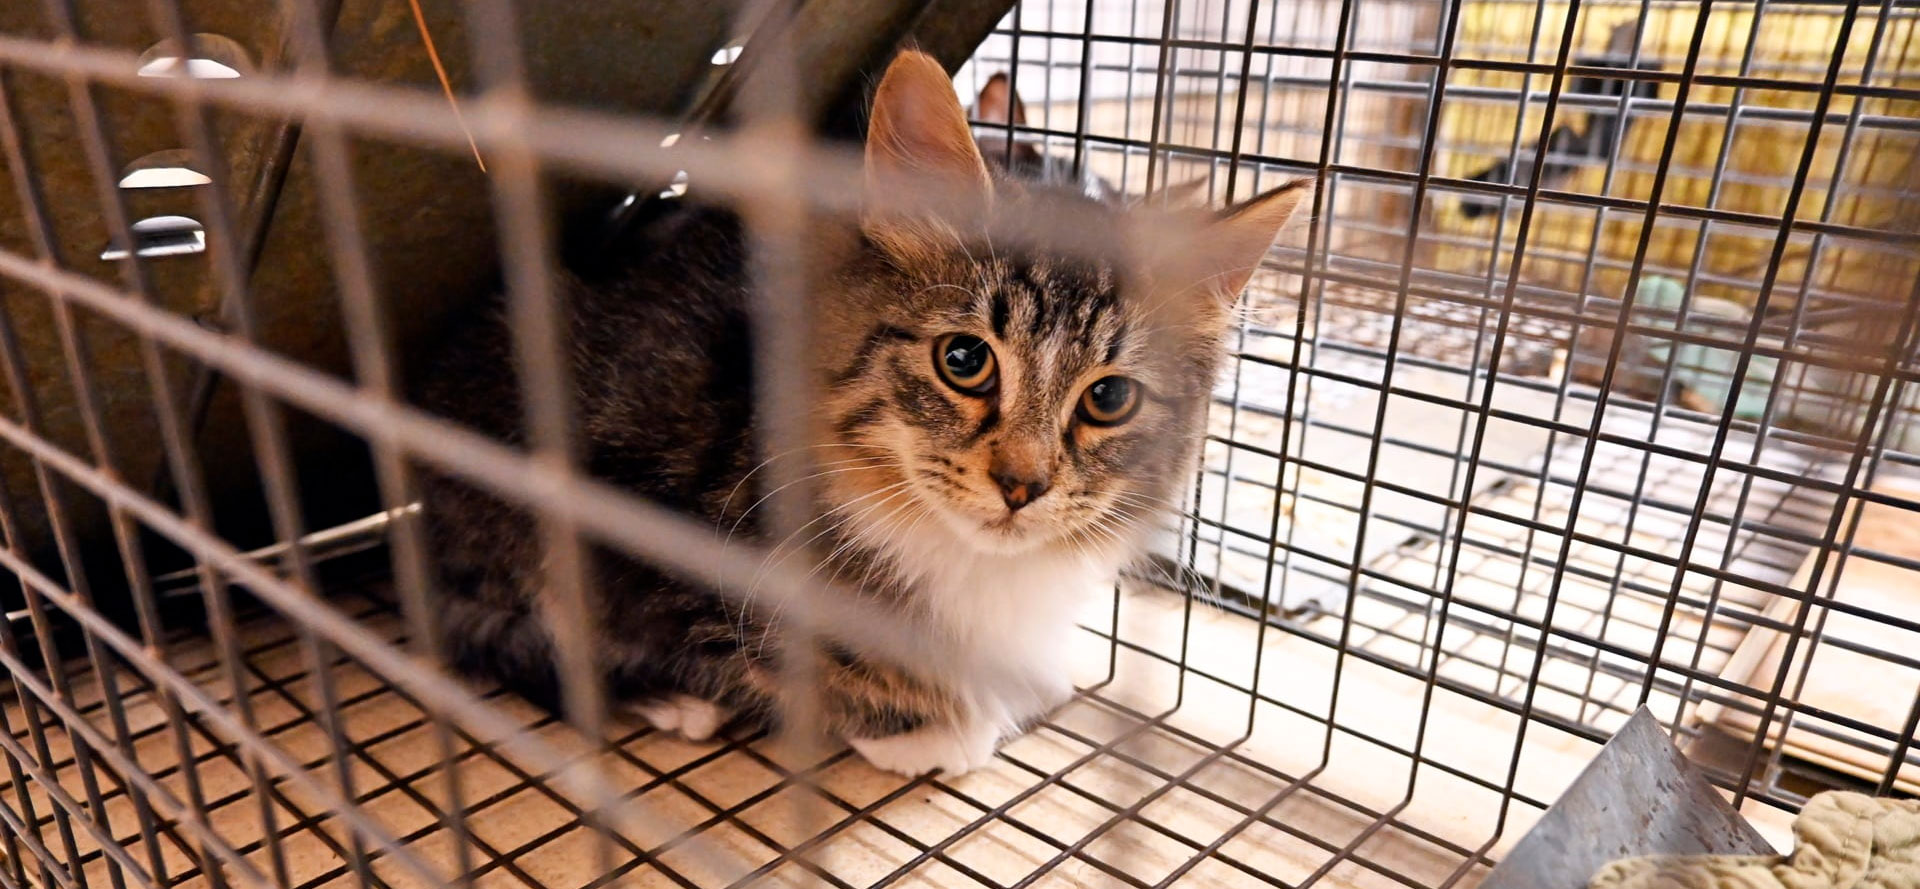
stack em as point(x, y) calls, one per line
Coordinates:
point(1639, 796)
point(843, 45)
point(50, 136)
point(948, 30)
point(427, 214)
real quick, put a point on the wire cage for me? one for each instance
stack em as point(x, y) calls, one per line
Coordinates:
point(1589, 385)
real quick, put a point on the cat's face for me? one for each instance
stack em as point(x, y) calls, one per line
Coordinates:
point(1018, 397)
point(1022, 398)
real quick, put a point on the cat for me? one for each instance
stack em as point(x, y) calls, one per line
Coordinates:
point(994, 426)
point(998, 103)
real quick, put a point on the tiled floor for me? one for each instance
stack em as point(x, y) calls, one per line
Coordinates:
point(1141, 780)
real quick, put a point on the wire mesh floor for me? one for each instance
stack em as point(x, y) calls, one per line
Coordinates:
point(1503, 569)
point(1603, 595)
point(1142, 780)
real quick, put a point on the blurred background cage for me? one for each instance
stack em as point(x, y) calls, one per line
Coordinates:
point(1590, 384)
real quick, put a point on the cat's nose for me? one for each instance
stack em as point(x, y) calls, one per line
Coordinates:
point(1020, 488)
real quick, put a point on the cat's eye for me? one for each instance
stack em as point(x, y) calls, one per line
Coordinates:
point(1110, 401)
point(966, 362)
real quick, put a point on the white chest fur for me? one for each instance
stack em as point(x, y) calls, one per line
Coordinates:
point(1013, 614)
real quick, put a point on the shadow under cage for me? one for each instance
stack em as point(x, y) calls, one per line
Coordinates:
point(1588, 384)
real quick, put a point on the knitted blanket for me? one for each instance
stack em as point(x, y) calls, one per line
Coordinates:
point(1841, 841)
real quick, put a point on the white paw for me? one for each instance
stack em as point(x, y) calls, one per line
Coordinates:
point(693, 718)
point(1055, 690)
point(954, 750)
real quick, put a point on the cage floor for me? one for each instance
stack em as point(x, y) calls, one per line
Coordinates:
point(1404, 552)
point(1599, 594)
point(1228, 778)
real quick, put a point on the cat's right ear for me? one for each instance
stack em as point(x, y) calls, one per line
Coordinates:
point(1189, 194)
point(1218, 256)
point(924, 173)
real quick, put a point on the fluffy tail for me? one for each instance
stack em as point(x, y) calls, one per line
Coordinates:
point(510, 646)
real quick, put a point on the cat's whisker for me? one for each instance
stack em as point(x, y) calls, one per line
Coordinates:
point(832, 557)
point(773, 618)
point(1099, 528)
point(1079, 545)
point(855, 538)
point(839, 520)
point(832, 579)
point(851, 465)
point(919, 508)
point(768, 563)
point(886, 545)
point(873, 536)
point(1156, 571)
point(735, 490)
point(1120, 513)
point(1190, 581)
point(1135, 497)
point(899, 571)
point(1154, 505)
point(925, 513)
point(877, 462)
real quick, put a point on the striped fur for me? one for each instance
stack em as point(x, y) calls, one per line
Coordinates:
point(904, 504)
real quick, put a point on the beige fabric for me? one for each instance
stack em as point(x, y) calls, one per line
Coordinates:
point(1841, 841)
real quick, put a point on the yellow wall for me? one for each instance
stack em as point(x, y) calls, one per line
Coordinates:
point(1793, 43)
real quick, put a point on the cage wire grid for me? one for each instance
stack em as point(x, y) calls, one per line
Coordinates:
point(1643, 457)
point(1444, 539)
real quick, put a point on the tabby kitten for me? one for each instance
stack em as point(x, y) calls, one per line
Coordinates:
point(994, 427)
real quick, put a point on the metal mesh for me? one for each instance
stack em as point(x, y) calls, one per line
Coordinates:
point(1588, 385)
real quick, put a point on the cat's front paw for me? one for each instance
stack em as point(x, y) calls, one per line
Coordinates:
point(693, 718)
point(954, 750)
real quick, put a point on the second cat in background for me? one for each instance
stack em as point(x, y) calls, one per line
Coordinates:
point(998, 103)
point(1000, 107)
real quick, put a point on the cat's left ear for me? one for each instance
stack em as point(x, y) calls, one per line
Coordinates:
point(921, 160)
point(1218, 256)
